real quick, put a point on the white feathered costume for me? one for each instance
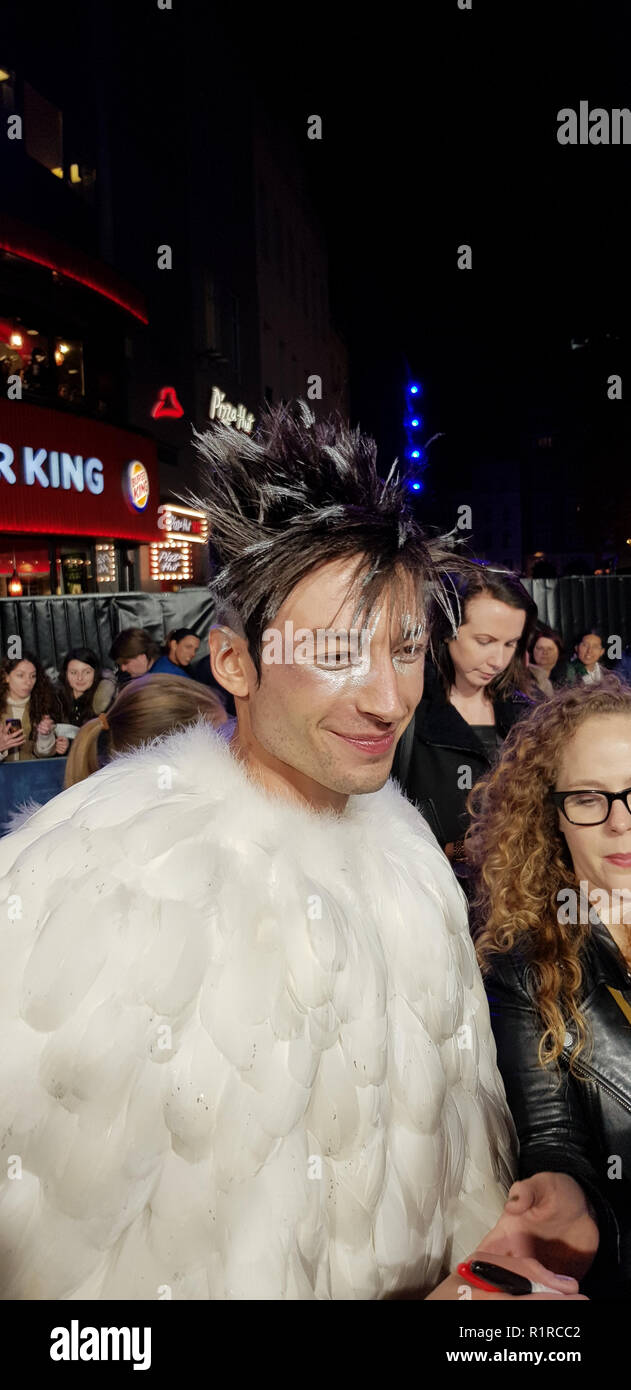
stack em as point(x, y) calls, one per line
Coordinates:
point(246, 1052)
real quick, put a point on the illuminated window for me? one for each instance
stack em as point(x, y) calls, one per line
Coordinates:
point(43, 131)
point(7, 91)
point(69, 369)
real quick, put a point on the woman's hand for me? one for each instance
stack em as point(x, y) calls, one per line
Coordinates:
point(10, 738)
point(547, 1217)
point(455, 1288)
point(62, 745)
point(46, 725)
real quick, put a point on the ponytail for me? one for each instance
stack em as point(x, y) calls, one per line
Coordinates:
point(83, 758)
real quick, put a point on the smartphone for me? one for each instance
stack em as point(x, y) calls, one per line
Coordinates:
point(14, 726)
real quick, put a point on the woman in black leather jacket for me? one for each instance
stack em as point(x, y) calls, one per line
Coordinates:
point(550, 840)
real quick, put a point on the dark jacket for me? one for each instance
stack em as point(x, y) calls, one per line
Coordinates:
point(582, 1126)
point(447, 758)
point(165, 667)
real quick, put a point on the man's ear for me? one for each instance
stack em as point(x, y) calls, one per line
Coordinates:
point(230, 661)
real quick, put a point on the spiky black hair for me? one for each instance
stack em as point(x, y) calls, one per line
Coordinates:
point(293, 496)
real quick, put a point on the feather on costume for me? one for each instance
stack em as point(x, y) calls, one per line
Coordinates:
point(246, 1048)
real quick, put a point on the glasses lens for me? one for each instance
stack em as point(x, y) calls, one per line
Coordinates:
point(586, 808)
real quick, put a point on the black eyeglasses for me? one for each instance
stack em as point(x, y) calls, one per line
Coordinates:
point(589, 807)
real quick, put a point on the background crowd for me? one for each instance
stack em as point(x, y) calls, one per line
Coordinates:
point(46, 714)
point(515, 758)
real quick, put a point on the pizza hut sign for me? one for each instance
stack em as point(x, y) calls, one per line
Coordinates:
point(170, 562)
point(229, 414)
point(178, 522)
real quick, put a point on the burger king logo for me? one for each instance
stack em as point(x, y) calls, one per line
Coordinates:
point(137, 485)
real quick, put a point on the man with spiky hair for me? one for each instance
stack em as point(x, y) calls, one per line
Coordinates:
point(246, 1048)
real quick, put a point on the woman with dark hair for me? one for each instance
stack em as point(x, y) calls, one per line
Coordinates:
point(550, 839)
point(84, 688)
point(29, 710)
point(546, 666)
point(180, 648)
point(585, 665)
point(471, 698)
point(135, 651)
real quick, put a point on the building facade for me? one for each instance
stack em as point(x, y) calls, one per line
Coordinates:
point(162, 265)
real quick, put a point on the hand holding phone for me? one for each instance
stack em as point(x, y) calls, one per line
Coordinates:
point(11, 734)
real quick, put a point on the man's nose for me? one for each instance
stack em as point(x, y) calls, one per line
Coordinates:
point(380, 694)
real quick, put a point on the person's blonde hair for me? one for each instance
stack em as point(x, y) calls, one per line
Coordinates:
point(147, 708)
point(522, 862)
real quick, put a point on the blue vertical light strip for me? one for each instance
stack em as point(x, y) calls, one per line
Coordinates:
point(413, 425)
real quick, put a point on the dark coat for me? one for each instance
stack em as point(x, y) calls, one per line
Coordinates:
point(580, 1126)
point(444, 746)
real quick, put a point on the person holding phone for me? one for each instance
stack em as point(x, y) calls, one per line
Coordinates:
point(28, 710)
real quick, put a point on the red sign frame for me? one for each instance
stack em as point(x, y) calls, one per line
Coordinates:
point(54, 466)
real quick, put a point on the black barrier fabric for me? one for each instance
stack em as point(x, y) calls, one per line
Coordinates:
point(50, 627)
point(576, 603)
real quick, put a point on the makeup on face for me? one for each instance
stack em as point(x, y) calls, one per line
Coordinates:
point(330, 717)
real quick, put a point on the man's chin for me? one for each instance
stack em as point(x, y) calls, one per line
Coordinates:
point(367, 779)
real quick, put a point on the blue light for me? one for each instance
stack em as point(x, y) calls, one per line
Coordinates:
point(415, 422)
point(414, 390)
point(415, 454)
point(417, 487)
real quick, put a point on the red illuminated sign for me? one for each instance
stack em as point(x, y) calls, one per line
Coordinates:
point(62, 474)
point(35, 245)
point(167, 405)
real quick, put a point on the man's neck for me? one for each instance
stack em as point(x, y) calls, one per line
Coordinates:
point(279, 779)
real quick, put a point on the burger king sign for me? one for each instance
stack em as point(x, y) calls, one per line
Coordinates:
point(136, 484)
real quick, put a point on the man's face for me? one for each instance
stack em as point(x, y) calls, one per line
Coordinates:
point(337, 725)
point(135, 665)
point(590, 649)
point(182, 653)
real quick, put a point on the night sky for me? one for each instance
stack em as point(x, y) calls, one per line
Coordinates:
point(439, 129)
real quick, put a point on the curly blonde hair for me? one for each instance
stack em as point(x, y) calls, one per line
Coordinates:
point(521, 860)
